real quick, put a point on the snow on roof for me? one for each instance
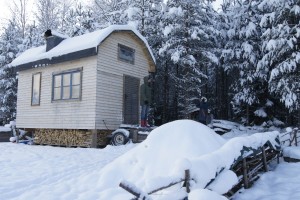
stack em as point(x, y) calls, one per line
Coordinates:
point(59, 34)
point(75, 44)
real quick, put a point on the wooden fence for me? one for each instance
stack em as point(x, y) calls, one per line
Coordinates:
point(247, 167)
point(291, 138)
point(139, 194)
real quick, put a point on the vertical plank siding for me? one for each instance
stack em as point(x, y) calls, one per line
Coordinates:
point(66, 114)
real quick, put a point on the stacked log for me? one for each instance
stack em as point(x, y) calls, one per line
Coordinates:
point(102, 137)
point(58, 137)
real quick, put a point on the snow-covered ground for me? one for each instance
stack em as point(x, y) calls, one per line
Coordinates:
point(45, 172)
point(48, 173)
point(281, 184)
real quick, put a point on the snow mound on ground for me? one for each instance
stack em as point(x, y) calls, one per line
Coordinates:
point(204, 194)
point(224, 182)
point(160, 155)
point(291, 152)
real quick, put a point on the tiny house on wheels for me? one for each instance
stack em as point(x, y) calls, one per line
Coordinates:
point(75, 91)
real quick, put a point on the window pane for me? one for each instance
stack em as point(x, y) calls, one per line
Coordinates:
point(126, 53)
point(35, 100)
point(56, 94)
point(66, 79)
point(62, 85)
point(57, 81)
point(76, 78)
point(66, 92)
point(75, 91)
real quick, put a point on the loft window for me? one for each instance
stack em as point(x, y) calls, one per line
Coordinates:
point(66, 85)
point(36, 89)
point(126, 53)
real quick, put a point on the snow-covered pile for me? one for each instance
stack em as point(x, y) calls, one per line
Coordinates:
point(233, 129)
point(229, 129)
point(222, 159)
point(160, 156)
point(173, 148)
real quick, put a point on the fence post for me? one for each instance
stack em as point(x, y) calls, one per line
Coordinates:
point(295, 136)
point(132, 189)
point(291, 137)
point(278, 157)
point(187, 180)
point(264, 159)
point(245, 174)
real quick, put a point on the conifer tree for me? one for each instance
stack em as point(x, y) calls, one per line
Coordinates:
point(189, 38)
point(9, 42)
point(280, 65)
point(240, 57)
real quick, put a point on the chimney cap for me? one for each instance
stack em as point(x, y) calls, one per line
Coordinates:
point(48, 33)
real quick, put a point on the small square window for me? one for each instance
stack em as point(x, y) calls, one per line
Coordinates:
point(126, 54)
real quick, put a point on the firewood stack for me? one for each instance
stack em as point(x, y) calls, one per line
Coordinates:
point(102, 137)
point(69, 138)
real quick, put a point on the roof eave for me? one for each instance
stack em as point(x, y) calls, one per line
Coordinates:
point(59, 59)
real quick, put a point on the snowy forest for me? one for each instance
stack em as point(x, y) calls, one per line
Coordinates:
point(244, 58)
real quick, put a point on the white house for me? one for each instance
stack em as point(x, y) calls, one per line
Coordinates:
point(89, 82)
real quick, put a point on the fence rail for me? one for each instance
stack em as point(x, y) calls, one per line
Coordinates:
point(247, 166)
point(291, 138)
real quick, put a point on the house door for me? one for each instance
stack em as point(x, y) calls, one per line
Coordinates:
point(131, 100)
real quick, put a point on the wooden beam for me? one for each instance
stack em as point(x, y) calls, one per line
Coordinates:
point(166, 186)
point(264, 159)
point(245, 174)
point(187, 180)
point(129, 189)
point(295, 135)
point(132, 189)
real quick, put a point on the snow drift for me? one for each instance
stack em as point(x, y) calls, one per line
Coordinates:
point(162, 154)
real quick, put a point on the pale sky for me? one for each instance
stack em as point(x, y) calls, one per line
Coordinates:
point(4, 10)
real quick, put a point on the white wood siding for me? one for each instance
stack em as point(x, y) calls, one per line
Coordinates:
point(68, 114)
point(110, 72)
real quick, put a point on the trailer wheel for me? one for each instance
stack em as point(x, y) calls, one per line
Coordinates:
point(119, 139)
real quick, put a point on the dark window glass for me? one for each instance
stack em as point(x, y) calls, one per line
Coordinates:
point(126, 54)
point(67, 85)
